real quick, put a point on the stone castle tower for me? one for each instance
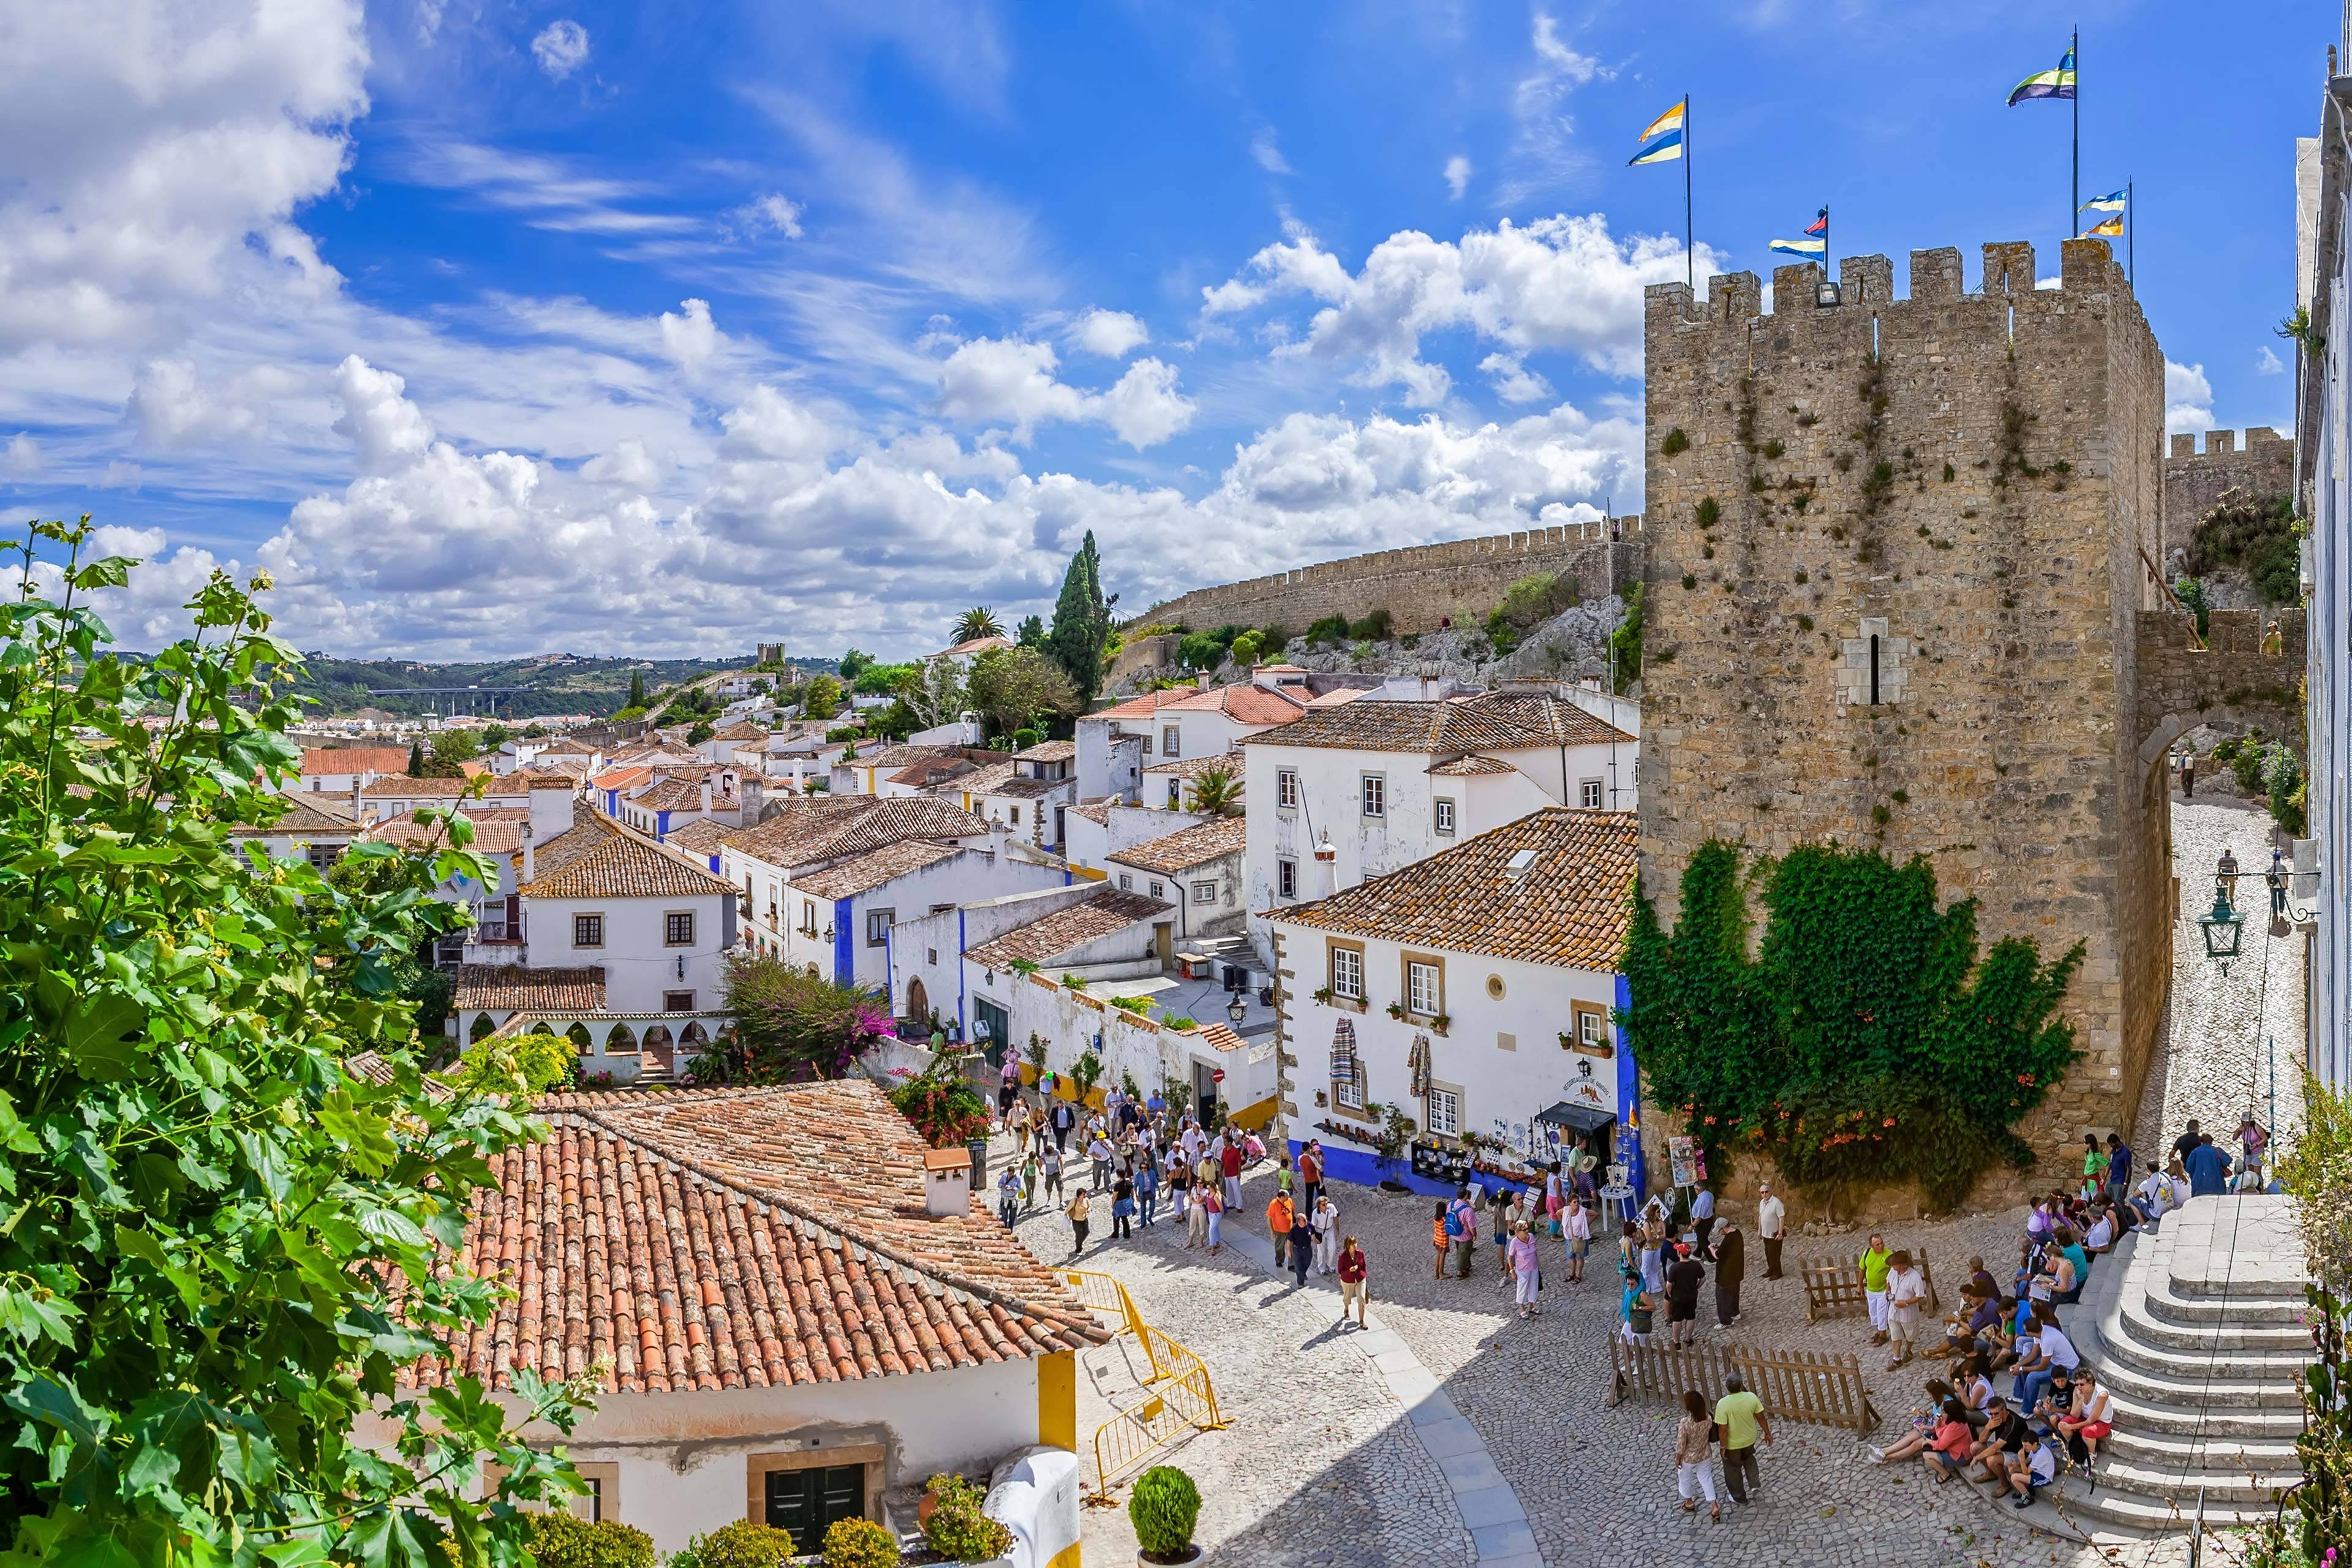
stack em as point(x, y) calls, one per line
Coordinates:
point(1900, 554)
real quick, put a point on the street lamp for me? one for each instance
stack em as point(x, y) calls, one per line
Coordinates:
point(2221, 927)
point(1237, 1009)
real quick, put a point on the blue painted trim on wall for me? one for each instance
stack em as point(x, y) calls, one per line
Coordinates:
point(1629, 1090)
point(661, 825)
point(1361, 1168)
point(963, 1018)
point(844, 950)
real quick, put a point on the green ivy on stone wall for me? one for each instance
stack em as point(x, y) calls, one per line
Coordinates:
point(1863, 1044)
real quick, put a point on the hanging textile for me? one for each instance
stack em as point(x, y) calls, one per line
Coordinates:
point(1416, 1063)
point(1343, 1053)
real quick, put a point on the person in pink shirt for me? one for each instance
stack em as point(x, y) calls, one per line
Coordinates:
point(1520, 1255)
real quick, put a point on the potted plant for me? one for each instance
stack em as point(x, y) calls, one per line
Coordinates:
point(958, 1528)
point(1086, 1072)
point(1164, 1508)
point(1322, 994)
point(1440, 1022)
point(1396, 1009)
point(859, 1544)
point(1390, 1136)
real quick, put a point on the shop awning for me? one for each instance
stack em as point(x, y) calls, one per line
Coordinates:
point(1582, 1118)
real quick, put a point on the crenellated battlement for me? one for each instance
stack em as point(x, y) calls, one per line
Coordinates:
point(1866, 285)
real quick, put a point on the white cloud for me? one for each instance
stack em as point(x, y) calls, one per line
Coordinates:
point(1559, 283)
point(2267, 363)
point(1268, 154)
point(628, 465)
point(1457, 175)
point(1144, 408)
point(1111, 334)
point(560, 49)
point(549, 191)
point(1543, 150)
point(172, 408)
point(2188, 398)
point(23, 455)
point(1513, 380)
point(387, 429)
point(690, 339)
point(768, 425)
point(771, 213)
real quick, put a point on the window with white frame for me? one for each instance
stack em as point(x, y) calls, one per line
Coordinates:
point(1348, 973)
point(1170, 743)
point(1126, 882)
point(1592, 1026)
point(1286, 788)
point(1444, 1111)
point(1204, 892)
point(1444, 815)
point(1589, 795)
point(1286, 878)
point(1422, 994)
point(1376, 795)
point(877, 927)
point(1155, 888)
point(808, 917)
point(1349, 1091)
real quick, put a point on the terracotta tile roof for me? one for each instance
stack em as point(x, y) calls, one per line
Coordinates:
point(980, 781)
point(597, 857)
point(702, 837)
point(1562, 723)
point(621, 778)
point(512, 988)
point(1433, 728)
point(1188, 847)
point(1052, 751)
point(1230, 763)
point(903, 755)
point(306, 811)
point(1107, 913)
point(1470, 765)
point(375, 1067)
point(933, 770)
point(543, 778)
point(567, 747)
point(497, 836)
point(474, 769)
point(741, 730)
point(1569, 906)
point(672, 795)
point(1340, 697)
point(1144, 706)
point(403, 787)
point(826, 828)
point(743, 1239)
point(1094, 811)
point(1019, 786)
point(1244, 702)
point(977, 645)
point(1278, 669)
point(355, 760)
point(1218, 1037)
point(876, 867)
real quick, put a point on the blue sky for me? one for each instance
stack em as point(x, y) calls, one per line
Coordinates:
point(499, 327)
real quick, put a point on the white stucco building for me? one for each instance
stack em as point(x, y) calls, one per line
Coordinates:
point(1197, 869)
point(1475, 989)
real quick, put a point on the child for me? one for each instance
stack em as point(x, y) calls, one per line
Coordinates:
point(1441, 1235)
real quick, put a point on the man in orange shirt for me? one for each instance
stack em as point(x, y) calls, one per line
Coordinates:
point(1277, 1224)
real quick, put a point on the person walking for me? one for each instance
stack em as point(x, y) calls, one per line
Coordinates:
point(1302, 1246)
point(1230, 1167)
point(1196, 1215)
point(1694, 1454)
point(1702, 1215)
point(2119, 1168)
point(1906, 1291)
point(1310, 1173)
point(1467, 1213)
point(1214, 1203)
point(1771, 1225)
point(1008, 1090)
point(1278, 1215)
point(2188, 774)
point(1051, 1167)
point(1028, 1178)
point(1008, 1197)
point(1519, 1254)
point(1079, 1207)
point(1730, 1269)
point(1683, 1281)
point(1353, 1274)
point(1324, 1222)
point(1579, 1226)
point(1122, 1208)
point(1061, 1118)
point(1873, 1264)
point(1741, 1415)
point(1146, 1186)
point(1445, 1234)
point(2276, 878)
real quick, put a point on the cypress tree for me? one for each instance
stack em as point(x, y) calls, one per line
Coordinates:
point(416, 758)
point(637, 689)
point(1081, 621)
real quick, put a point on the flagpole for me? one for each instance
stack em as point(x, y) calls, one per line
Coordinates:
point(2131, 233)
point(1690, 235)
point(2075, 48)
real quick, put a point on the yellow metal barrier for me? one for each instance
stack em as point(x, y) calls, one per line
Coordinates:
point(1185, 1399)
point(1105, 1294)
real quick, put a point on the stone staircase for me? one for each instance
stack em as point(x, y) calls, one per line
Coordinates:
point(2197, 1333)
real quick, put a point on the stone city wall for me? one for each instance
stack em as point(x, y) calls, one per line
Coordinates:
point(1894, 587)
point(2195, 482)
point(2232, 678)
point(1420, 585)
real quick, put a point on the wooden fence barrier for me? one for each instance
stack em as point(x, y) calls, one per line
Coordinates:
point(1795, 1385)
point(1833, 1287)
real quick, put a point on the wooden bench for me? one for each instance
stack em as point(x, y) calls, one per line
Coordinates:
point(1833, 1287)
point(1817, 1387)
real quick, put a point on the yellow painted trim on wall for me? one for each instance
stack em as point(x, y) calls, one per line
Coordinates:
point(1057, 1402)
point(1067, 1557)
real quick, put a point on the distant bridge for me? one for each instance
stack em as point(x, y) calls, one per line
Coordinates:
point(490, 694)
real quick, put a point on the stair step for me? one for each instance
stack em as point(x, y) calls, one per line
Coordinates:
point(2190, 1368)
point(2123, 1378)
point(2156, 1482)
point(2133, 1412)
point(2107, 1508)
point(2145, 1327)
point(2174, 1451)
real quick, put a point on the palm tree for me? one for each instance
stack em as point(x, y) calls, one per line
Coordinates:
point(1217, 792)
point(977, 622)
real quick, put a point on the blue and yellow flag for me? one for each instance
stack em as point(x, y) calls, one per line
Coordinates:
point(2112, 203)
point(1815, 246)
point(2059, 83)
point(1661, 140)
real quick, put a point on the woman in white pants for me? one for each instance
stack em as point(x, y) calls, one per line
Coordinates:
point(1324, 1222)
point(1693, 1459)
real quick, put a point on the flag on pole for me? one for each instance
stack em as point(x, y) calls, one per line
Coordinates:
point(2059, 83)
point(2107, 228)
point(2113, 202)
point(1662, 139)
point(1814, 245)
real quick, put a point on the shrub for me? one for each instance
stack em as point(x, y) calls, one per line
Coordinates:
point(1025, 738)
point(957, 1530)
point(1329, 629)
point(2282, 778)
point(1180, 1022)
point(1272, 640)
point(527, 1064)
point(561, 1541)
point(1199, 650)
point(1709, 512)
point(742, 1544)
point(860, 1543)
point(2257, 538)
point(1164, 1508)
point(1373, 628)
point(1248, 649)
point(1534, 598)
point(1138, 1004)
point(945, 1109)
point(1676, 442)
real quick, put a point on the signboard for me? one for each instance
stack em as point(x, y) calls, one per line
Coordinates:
point(1216, 1075)
point(1689, 1164)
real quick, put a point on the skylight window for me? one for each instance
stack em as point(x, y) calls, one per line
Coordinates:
point(1519, 863)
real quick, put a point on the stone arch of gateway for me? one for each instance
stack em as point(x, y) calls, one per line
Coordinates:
point(1903, 560)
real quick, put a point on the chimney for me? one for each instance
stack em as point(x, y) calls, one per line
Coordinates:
point(947, 1183)
point(530, 861)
